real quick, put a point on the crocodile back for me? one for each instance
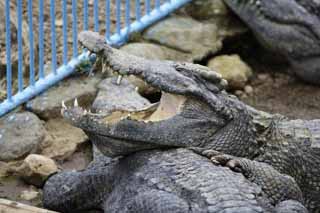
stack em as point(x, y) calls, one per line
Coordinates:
point(303, 131)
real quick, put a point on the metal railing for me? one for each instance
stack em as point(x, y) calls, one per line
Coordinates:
point(121, 18)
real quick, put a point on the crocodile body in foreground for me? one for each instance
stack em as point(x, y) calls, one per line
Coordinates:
point(175, 180)
point(287, 27)
point(202, 117)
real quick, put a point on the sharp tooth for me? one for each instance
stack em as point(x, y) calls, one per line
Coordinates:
point(136, 89)
point(63, 105)
point(119, 79)
point(85, 112)
point(104, 66)
point(75, 104)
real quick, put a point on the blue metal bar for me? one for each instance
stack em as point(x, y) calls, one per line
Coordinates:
point(74, 28)
point(166, 8)
point(96, 15)
point(41, 85)
point(127, 15)
point(20, 50)
point(108, 24)
point(85, 15)
point(148, 7)
point(53, 37)
point(31, 47)
point(118, 16)
point(138, 10)
point(41, 40)
point(8, 52)
point(157, 4)
point(49, 80)
point(65, 32)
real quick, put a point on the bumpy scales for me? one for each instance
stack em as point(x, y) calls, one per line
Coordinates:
point(271, 152)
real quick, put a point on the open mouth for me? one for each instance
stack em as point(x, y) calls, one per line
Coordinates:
point(161, 108)
point(102, 127)
point(192, 103)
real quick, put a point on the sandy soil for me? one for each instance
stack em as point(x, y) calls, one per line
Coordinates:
point(274, 90)
point(280, 93)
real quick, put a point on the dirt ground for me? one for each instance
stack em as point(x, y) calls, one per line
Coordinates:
point(274, 90)
point(279, 93)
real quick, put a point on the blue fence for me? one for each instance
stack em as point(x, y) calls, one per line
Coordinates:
point(121, 18)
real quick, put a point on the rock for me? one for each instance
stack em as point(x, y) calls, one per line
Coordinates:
point(4, 169)
point(48, 105)
point(8, 206)
point(233, 69)
point(263, 77)
point(20, 135)
point(122, 97)
point(206, 9)
point(151, 51)
point(238, 93)
point(35, 169)
point(186, 35)
point(30, 195)
point(154, 51)
point(63, 139)
point(248, 90)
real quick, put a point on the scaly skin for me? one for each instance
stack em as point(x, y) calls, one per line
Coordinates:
point(209, 119)
point(287, 27)
point(176, 180)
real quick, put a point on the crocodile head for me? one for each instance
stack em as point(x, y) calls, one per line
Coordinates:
point(192, 109)
point(287, 27)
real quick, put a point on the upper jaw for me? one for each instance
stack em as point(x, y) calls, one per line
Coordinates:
point(93, 41)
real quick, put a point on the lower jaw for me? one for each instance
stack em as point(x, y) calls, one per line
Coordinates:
point(115, 147)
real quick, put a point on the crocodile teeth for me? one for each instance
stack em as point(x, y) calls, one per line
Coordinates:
point(119, 79)
point(75, 103)
point(136, 89)
point(63, 105)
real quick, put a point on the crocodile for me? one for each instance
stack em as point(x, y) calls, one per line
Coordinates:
point(196, 112)
point(289, 28)
point(170, 180)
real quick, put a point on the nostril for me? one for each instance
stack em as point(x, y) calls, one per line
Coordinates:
point(152, 97)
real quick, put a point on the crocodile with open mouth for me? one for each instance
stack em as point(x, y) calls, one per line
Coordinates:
point(286, 27)
point(194, 112)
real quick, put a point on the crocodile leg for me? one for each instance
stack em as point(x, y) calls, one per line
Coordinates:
point(277, 187)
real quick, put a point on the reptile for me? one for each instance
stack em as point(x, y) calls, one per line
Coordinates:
point(172, 180)
point(289, 28)
point(196, 112)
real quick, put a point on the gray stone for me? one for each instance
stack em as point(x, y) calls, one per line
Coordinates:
point(217, 13)
point(20, 135)
point(30, 195)
point(248, 90)
point(48, 105)
point(63, 139)
point(186, 35)
point(154, 51)
point(35, 169)
point(206, 9)
point(121, 97)
point(233, 69)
